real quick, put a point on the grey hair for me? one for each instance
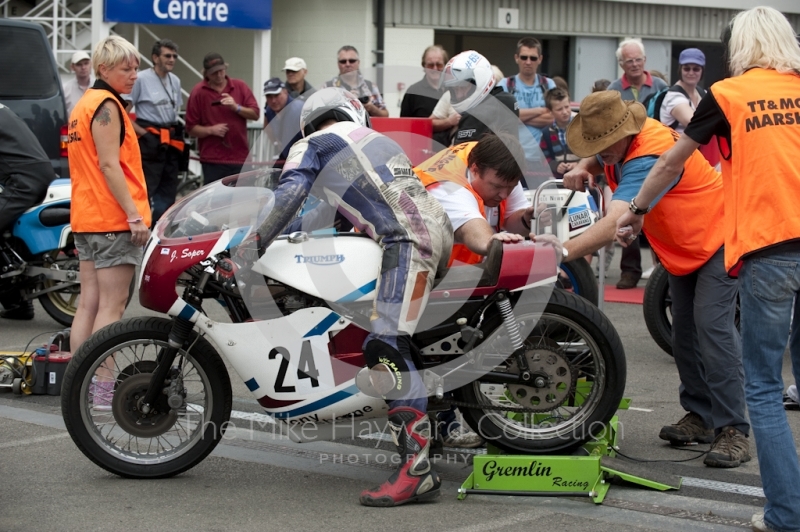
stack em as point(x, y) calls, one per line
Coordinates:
point(636, 41)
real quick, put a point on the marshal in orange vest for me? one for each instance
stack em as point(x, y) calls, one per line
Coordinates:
point(451, 165)
point(760, 169)
point(98, 210)
point(685, 227)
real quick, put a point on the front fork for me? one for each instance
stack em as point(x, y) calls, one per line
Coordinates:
point(181, 330)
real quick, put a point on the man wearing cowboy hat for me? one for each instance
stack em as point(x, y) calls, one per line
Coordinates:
point(684, 227)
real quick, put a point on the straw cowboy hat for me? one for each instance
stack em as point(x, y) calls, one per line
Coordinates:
point(603, 120)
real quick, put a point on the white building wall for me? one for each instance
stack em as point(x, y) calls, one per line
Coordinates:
point(403, 60)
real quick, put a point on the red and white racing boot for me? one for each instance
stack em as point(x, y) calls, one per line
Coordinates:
point(414, 480)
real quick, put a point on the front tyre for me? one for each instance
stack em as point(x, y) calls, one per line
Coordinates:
point(109, 375)
point(576, 350)
point(577, 276)
point(657, 308)
point(61, 305)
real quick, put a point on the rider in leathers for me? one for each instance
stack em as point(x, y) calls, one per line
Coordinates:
point(368, 179)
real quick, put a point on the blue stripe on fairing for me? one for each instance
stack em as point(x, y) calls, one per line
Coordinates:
point(359, 292)
point(187, 312)
point(317, 405)
point(323, 326)
point(252, 385)
point(237, 237)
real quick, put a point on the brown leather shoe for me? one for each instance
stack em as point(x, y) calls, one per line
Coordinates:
point(628, 280)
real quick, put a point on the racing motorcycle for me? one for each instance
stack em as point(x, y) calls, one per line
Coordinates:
point(532, 369)
point(38, 259)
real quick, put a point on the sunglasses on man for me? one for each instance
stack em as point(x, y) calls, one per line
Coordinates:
point(532, 58)
point(345, 61)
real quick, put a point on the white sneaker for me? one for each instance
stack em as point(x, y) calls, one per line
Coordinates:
point(759, 525)
point(463, 439)
point(648, 272)
point(791, 391)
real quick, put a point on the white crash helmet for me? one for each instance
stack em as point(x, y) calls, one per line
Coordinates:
point(331, 103)
point(472, 68)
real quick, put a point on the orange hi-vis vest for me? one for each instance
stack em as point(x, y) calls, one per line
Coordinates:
point(451, 165)
point(685, 228)
point(760, 169)
point(94, 207)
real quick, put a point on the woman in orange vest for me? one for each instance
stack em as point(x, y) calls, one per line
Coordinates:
point(755, 113)
point(110, 213)
point(684, 230)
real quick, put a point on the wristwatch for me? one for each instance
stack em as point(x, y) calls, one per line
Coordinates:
point(636, 210)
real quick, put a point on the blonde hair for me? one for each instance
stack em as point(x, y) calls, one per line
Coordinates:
point(497, 74)
point(635, 41)
point(112, 51)
point(762, 37)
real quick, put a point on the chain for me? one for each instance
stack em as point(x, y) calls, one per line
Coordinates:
point(515, 410)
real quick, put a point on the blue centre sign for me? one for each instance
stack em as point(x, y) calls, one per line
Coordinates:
point(246, 14)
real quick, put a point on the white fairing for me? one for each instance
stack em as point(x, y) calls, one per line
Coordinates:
point(287, 365)
point(341, 269)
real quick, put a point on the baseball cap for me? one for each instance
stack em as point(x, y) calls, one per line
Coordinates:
point(294, 64)
point(213, 62)
point(692, 55)
point(79, 56)
point(274, 86)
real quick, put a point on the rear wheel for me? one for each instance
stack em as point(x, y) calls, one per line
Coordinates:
point(61, 304)
point(106, 381)
point(657, 308)
point(578, 354)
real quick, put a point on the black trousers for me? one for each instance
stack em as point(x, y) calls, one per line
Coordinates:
point(214, 172)
point(161, 164)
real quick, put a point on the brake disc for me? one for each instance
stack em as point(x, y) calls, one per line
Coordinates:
point(128, 414)
point(554, 377)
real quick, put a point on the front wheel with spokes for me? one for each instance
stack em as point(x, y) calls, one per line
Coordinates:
point(105, 383)
point(578, 370)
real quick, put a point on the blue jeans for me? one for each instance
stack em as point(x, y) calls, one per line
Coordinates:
point(767, 288)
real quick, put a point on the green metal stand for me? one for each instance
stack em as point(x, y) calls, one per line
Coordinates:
point(496, 473)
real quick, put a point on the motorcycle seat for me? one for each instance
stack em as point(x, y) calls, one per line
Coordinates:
point(54, 216)
point(472, 275)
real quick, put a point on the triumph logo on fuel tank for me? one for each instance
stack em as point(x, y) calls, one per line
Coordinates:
point(319, 260)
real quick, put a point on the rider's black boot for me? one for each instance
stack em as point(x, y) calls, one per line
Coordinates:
point(22, 310)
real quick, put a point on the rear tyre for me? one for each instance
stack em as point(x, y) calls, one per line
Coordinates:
point(61, 305)
point(581, 279)
point(105, 382)
point(657, 308)
point(579, 353)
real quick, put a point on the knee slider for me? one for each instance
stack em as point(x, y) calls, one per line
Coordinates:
point(388, 369)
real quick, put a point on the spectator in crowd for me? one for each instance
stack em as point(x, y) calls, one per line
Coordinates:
point(157, 99)
point(281, 117)
point(81, 65)
point(685, 231)
point(600, 85)
point(25, 174)
point(421, 97)
point(350, 79)
point(636, 84)
point(296, 83)
point(483, 107)
point(445, 119)
point(561, 83)
point(554, 141)
point(761, 228)
point(529, 87)
point(683, 98)
point(217, 114)
point(110, 213)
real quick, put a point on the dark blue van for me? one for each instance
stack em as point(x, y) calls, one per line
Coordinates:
point(30, 86)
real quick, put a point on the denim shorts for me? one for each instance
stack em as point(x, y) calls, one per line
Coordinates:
point(108, 249)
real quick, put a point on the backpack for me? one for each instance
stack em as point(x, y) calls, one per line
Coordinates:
point(511, 83)
point(653, 102)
